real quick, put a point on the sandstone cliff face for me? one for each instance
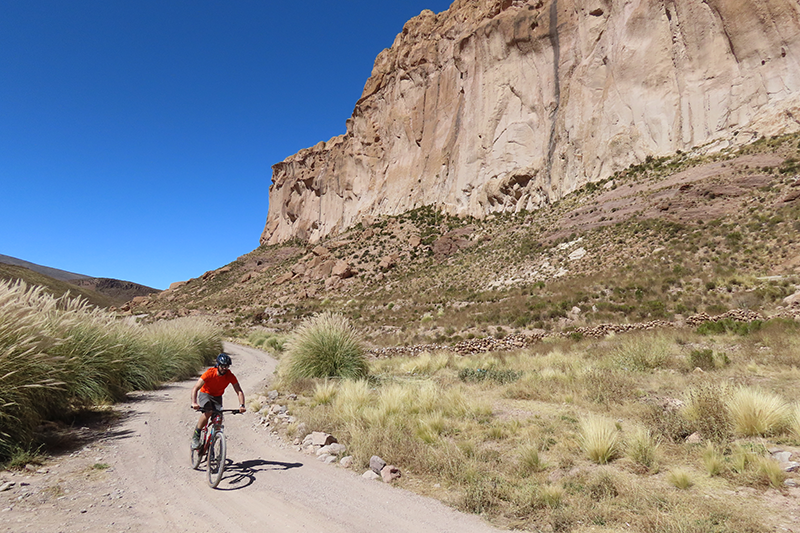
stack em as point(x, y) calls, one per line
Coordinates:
point(507, 104)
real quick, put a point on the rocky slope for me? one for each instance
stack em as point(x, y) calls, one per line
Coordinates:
point(507, 105)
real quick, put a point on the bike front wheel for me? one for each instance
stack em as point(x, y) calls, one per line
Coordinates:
point(216, 459)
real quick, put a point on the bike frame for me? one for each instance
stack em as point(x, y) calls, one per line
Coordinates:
point(213, 430)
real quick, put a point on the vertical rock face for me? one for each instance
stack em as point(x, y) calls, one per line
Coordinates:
point(498, 105)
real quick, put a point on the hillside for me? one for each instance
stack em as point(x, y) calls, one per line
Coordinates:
point(102, 292)
point(663, 240)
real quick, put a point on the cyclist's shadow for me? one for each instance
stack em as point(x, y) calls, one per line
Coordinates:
point(243, 474)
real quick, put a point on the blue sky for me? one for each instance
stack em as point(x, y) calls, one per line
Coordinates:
point(136, 137)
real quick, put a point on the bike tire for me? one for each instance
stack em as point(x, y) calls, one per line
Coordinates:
point(197, 454)
point(215, 461)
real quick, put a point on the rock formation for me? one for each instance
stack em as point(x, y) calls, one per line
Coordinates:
point(497, 105)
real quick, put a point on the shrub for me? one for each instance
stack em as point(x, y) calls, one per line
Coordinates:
point(758, 413)
point(703, 359)
point(706, 409)
point(324, 346)
point(600, 439)
point(729, 326)
point(480, 374)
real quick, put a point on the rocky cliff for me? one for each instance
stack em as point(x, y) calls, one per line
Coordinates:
point(497, 105)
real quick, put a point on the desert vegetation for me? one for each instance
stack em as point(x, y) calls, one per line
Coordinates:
point(627, 432)
point(60, 355)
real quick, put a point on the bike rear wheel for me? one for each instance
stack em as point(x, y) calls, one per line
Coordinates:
point(216, 459)
point(197, 454)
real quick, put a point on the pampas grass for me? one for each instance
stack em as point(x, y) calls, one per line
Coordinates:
point(62, 353)
point(324, 345)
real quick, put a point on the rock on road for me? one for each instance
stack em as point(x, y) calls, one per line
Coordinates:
point(148, 484)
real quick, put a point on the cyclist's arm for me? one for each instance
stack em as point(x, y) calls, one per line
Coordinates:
point(240, 394)
point(195, 390)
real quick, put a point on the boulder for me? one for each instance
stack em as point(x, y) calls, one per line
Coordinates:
point(369, 474)
point(390, 473)
point(318, 438)
point(376, 464)
point(343, 270)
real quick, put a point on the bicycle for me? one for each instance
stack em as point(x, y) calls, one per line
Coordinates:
point(212, 446)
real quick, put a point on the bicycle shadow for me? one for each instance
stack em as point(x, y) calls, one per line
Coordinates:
point(243, 474)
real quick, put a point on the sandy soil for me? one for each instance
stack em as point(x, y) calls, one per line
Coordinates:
point(136, 477)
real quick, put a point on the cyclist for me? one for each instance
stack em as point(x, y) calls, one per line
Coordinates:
point(209, 389)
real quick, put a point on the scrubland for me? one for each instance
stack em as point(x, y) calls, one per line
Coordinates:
point(653, 431)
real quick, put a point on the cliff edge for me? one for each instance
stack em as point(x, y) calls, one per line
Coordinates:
point(508, 104)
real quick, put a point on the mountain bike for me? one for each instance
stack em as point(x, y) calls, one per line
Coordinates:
point(212, 446)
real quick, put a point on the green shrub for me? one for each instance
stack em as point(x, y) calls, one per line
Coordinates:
point(324, 346)
point(729, 326)
point(473, 375)
point(703, 359)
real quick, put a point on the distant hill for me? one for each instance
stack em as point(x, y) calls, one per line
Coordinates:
point(103, 292)
point(54, 273)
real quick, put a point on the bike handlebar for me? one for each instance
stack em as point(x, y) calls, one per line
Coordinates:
point(232, 411)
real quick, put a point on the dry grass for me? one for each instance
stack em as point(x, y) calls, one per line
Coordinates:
point(552, 449)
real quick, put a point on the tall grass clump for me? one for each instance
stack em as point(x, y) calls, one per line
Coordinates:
point(179, 347)
point(324, 346)
point(62, 353)
point(756, 412)
point(643, 352)
point(707, 410)
point(641, 448)
point(600, 439)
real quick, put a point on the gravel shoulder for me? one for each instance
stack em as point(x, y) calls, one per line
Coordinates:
point(135, 476)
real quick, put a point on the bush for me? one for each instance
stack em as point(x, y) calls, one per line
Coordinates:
point(325, 346)
point(707, 411)
point(480, 374)
point(641, 449)
point(703, 359)
point(729, 326)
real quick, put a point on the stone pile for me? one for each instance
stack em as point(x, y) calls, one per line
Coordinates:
point(517, 341)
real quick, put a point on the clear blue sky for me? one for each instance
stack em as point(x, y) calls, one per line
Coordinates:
point(137, 136)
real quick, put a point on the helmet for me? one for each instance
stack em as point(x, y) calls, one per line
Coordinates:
point(224, 359)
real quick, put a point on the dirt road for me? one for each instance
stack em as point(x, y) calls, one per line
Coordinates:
point(136, 477)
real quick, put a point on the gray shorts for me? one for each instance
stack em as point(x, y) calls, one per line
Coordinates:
point(204, 399)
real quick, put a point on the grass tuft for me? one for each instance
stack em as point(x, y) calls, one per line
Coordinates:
point(600, 439)
point(756, 412)
point(324, 346)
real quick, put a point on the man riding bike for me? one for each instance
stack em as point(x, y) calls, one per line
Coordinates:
point(208, 392)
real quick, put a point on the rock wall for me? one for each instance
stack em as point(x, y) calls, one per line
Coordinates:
point(497, 105)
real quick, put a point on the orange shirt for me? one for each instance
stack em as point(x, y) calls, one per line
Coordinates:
point(214, 383)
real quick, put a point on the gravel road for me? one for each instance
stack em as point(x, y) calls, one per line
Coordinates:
point(137, 477)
